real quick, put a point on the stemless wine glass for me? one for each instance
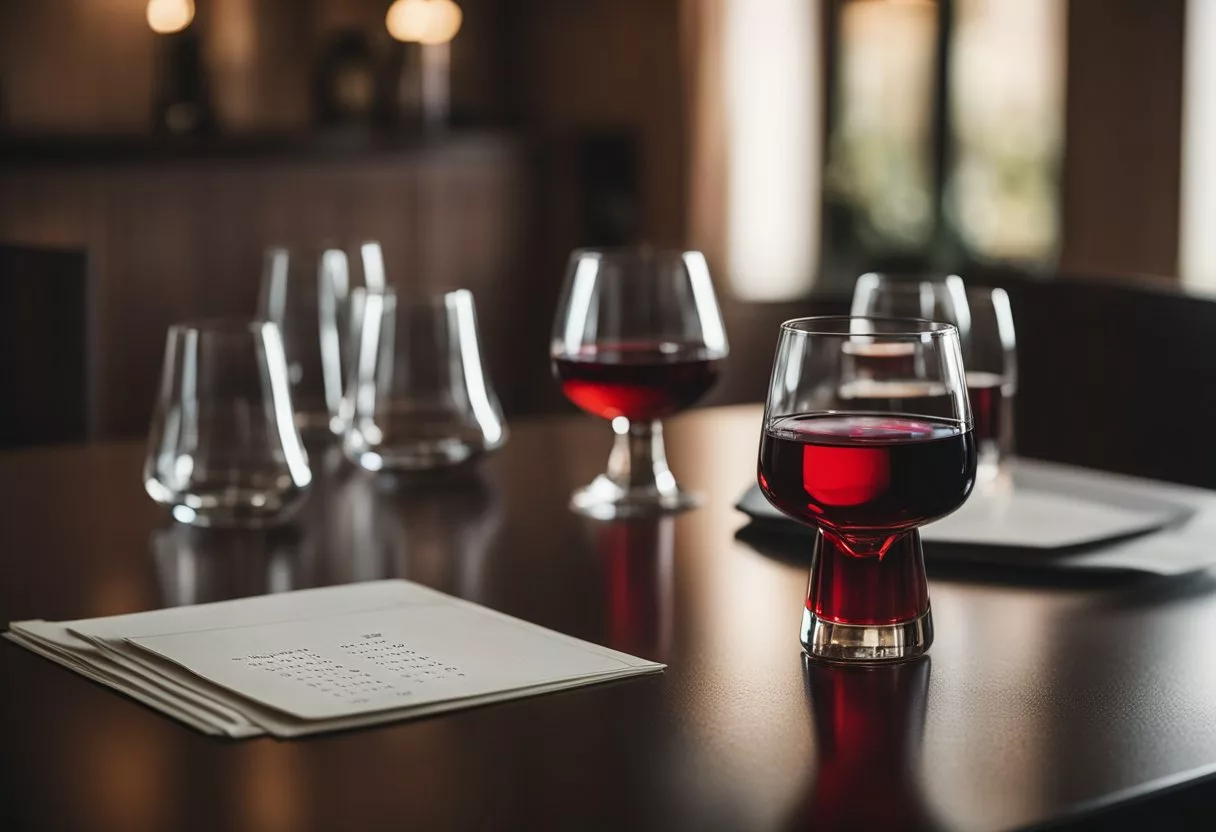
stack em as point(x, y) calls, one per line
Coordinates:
point(224, 449)
point(897, 296)
point(306, 292)
point(420, 397)
point(867, 474)
point(986, 337)
point(638, 336)
point(990, 355)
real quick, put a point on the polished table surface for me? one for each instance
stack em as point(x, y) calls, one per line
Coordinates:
point(1037, 702)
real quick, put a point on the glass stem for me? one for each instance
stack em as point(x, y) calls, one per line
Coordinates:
point(868, 589)
point(639, 459)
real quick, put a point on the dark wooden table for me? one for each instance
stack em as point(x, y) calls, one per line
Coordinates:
point(1039, 703)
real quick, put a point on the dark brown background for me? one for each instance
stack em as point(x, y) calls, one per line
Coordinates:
point(175, 231)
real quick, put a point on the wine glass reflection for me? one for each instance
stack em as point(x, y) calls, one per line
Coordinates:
point(436, 531)
point(355, 527)
point(637, 561)
point(196, 565)
point(869, 729)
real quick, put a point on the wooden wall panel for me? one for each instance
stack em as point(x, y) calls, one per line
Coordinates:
point(182, 240)
point(1123, 137)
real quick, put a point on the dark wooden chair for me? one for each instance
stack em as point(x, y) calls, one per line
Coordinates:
point(45, 395)
point(1116, 375)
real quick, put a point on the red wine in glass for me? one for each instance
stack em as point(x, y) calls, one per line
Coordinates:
point(987, 401)
point(639, 381)
point(866, 480)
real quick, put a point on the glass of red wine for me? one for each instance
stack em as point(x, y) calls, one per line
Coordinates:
point(990, 356)
point(986, 337)
point(867, 472)
point(638, 337)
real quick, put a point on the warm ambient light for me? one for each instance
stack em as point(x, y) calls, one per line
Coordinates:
point(771, 54)
point(169, 16)
point(1197, 243)
point(424, 21)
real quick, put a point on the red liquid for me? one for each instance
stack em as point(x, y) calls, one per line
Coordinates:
point(866, 481)
point(869, 728)
point(641, 382)
point(862, 475)
point(984, 390)
point(637, 557)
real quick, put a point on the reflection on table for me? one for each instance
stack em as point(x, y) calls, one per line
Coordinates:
point(869, 730)
point(355, 527)
point(637, 559)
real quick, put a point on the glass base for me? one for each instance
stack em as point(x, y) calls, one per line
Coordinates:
point(638, 482)
point(604, 499)
point(866, 643)
point(245, 510)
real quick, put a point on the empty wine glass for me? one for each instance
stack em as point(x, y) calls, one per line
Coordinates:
point(224, 449)
point(867, 473)
point(638, 336)
point(419, 396)
point(306, 290)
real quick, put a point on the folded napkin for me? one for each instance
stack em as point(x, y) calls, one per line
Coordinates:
point(1046, 516)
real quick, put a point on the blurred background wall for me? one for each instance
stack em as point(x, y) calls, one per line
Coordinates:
point(798, 142)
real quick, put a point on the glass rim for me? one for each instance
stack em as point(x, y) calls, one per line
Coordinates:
point(625, 250)
point(320, 246)
point(906, 328)
point(897, 277)
point(415, 299)
point(985, 291)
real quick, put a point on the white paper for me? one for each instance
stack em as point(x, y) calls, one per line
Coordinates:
point(323, 659)
point(379, 660)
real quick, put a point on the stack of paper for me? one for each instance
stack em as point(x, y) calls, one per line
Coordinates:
point(322, 659)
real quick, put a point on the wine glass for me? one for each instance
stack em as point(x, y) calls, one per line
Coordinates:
point(419, 396)
point(990, 355)
point(898, 296)
point(638, 336)
point(305, 290)
point(224, 448)
point(867, 473)
point(986, 336)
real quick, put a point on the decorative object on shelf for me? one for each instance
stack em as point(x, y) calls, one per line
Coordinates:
point(344, 87)
point(424, 82)
point(182, 102)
